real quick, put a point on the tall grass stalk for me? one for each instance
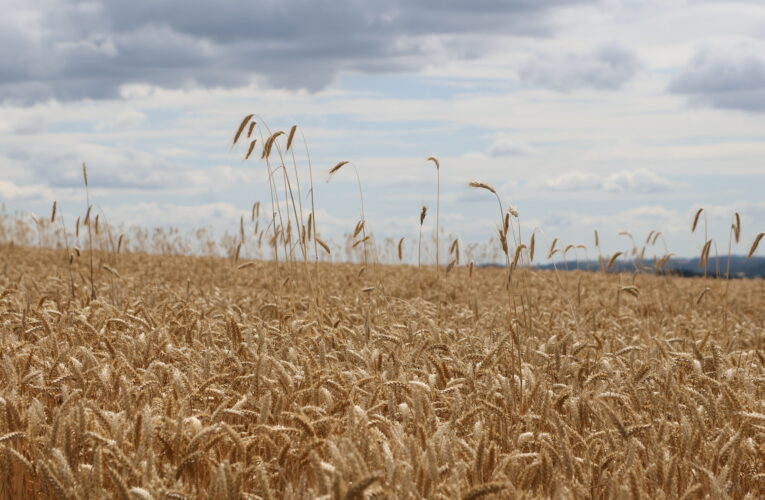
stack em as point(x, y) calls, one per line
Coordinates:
point(334, 170)
point(438, 211)
point(90, 232)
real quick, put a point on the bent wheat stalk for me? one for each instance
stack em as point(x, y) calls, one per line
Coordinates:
point(502, 231)
point(333, 171)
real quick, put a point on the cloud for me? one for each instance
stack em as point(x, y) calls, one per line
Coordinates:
point(674, 224)
point(639, 181)
point(151, 214)
point(504, 145)
point(638, 220)
point(607, 67)
point(9, 191)
point(26, 124)
point(725, 76)
point(749, 210)
point(89, 49)
point(636, 181)
point(58, 166)
point(127, 119)
point(574, 181)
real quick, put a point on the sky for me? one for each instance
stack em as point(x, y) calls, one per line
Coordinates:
point(615, 115)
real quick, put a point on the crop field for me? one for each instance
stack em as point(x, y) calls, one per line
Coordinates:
point(382, 250)
point(202, 377)
point(140, 365)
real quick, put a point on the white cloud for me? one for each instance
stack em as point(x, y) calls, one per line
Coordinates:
point(639, 181)
point(674, 224)
point(574, 181)
point(9, 191)
point(638, 221)
point(126, 119)
point(57, 165)
point(153, 214)
point(28, 121)
point(506, 145)
point(175, 152)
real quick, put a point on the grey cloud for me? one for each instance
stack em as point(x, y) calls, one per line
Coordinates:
point(607, 67)
point(88, 49)
point(729, 77)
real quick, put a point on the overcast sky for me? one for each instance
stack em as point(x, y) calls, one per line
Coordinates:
point(611, 115)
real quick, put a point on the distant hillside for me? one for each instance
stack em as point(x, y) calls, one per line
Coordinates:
point(740, 266)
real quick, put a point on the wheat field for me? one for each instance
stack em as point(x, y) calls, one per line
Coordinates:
point(194, 377)
point(132, 371)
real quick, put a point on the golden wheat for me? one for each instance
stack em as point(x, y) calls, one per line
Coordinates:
point(203, 377)
point(208, 378)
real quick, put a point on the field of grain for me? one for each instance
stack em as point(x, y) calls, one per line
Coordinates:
point(201, 377)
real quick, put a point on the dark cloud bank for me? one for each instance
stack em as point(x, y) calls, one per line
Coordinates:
point(725, 76)
point(65, 49)
point(608, 67)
